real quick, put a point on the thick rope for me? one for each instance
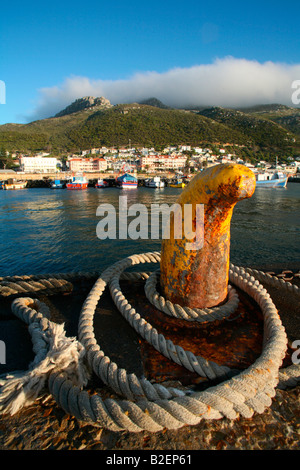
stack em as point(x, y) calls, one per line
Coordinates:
point(49, 284)
point(54, 351)
point(152, 406)
point(186, 313)
point(24, 285)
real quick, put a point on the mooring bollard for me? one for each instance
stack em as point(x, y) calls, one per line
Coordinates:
point(198, 278)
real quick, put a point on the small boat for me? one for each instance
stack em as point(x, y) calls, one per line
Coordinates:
point(127, 181)
point(271, 180)
point(155, 182)
point(78, 181)
point(56, 184)
point(177, 184)
point(101, 184)
point(1, 184)
point(14, 184)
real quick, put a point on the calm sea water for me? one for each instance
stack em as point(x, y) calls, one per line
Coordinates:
point(51, 231)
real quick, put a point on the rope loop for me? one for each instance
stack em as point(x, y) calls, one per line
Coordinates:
point(65, 363)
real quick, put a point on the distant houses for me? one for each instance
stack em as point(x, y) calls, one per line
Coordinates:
point(184, 158)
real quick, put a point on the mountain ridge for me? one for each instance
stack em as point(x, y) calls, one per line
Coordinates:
point(86, 102)
point(91, 122)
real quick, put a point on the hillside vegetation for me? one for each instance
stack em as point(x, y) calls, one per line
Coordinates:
point(262, 130)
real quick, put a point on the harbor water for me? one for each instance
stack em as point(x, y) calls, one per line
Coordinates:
point(54, 231)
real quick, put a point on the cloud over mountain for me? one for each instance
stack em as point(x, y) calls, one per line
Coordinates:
point(227, 82)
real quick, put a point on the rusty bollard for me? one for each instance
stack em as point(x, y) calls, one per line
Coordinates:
point(198, 278)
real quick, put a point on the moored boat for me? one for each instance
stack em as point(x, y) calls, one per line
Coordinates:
point(101, 184)
point(276, 179)
point(78, 181)
point(127, 181)
point(14, 184)
point(56, 184)
point(177, 184)
point(155, 182)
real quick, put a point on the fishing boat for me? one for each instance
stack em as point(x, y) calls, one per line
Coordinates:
point(56, 184)
point(14, 184)
point(177, 184)
point(78, 181)
point(101, 184)
point(127, 181)
point(266, 179)
point(155, 182)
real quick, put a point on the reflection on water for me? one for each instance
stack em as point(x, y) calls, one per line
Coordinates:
point(45, 231)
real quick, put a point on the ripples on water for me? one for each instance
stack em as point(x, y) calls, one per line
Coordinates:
point(44, 230)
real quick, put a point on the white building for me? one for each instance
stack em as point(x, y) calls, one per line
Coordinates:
point(39, 164)
point(162, 162)
point(87, 164)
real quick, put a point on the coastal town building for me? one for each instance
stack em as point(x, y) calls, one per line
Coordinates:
point(162, 162)
point(87, 164)
point(39, 164)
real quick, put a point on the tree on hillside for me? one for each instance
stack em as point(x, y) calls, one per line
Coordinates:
point(3, 158)
point(6, 160)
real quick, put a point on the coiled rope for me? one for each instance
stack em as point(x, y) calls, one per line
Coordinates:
point(147, 406)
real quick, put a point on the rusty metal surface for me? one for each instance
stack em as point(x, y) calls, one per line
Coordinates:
point(199, 278)
point(235, 342)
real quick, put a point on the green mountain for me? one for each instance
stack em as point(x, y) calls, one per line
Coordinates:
point(115, 126)
point(90, 122)
point(149, 126)
point(259, 126)
point(286, 116)
point(155, 102)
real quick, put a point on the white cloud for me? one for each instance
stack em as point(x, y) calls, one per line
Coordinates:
point(227, 82)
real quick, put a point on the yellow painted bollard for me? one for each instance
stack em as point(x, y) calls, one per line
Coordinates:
point(198, 278)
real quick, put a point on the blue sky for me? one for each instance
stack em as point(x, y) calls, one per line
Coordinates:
point(52, 52)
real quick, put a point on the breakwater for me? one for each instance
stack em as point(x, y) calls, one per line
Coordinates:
point(294, 179)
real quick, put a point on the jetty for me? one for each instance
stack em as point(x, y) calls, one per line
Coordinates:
point(133, 359)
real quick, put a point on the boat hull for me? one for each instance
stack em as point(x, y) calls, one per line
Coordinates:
point(15, 186)
point(128, 185)
point(154, 184)
point(101, 184)
point(276, 183)
point(75, 186)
